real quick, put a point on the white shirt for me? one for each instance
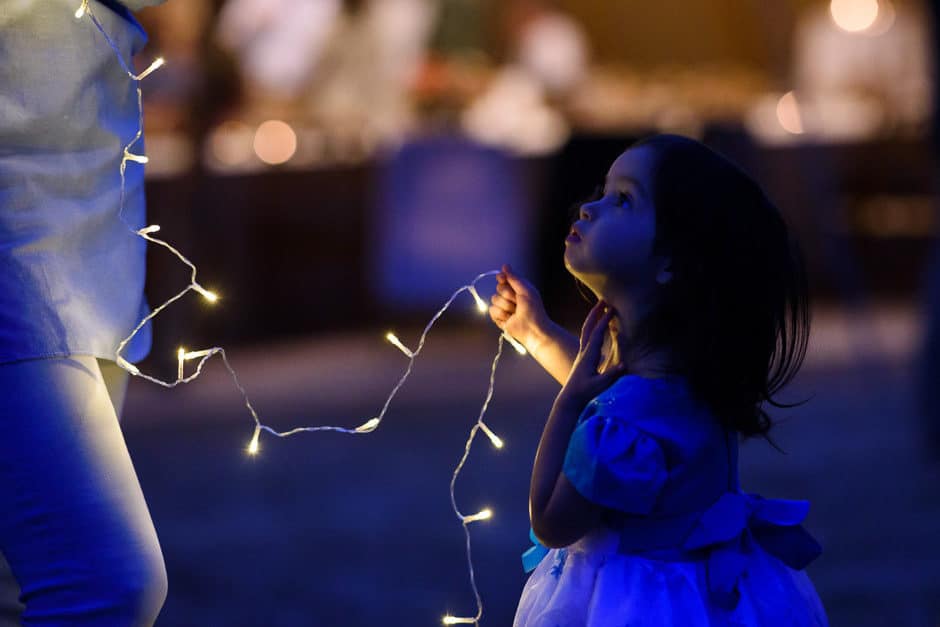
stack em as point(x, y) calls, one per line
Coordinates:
point(71, 271)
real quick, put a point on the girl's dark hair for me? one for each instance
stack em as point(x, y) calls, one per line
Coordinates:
point(736, 313)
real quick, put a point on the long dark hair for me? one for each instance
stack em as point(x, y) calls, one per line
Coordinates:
point(736, 313)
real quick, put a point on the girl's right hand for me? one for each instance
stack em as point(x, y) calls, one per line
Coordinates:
point(517, 308)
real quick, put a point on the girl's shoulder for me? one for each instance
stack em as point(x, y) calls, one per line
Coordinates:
point(635, 392)
point(663, 407)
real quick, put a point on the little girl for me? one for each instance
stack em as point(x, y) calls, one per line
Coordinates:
point(637, 515)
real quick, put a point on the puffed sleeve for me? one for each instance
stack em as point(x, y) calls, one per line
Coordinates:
point(614, 464)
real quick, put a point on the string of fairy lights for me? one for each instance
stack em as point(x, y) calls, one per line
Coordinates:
point(200, 357)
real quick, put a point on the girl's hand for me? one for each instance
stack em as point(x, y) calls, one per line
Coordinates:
point(584, 382)
point(517, 308)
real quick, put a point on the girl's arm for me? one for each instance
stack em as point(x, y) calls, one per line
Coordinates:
point(554, 348)
point(517, 309)
point(559, 514)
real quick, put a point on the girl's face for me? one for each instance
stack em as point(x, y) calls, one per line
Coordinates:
point(609, 248)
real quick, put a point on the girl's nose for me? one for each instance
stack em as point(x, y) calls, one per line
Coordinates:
point(584, 214)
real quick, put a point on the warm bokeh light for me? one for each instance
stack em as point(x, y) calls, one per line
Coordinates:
point(230, 143)
point(788, 114)
point(275, 142)
point(854, 15)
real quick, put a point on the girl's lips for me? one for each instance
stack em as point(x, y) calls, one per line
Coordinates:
point(572, 237)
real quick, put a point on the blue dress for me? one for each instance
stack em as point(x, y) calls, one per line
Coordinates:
point(680, 543)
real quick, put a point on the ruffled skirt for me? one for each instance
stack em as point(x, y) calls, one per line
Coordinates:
point(590, 584)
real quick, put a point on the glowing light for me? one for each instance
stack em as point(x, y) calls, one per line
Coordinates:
point(368, 426)
point(495, 439)
point(393, 339)
point(454, 620)
point(253, 445)
point(485, 514)
point(854, 16)
point(197, 354)
point(231, 143)
point(205, 354)
point(136, 158)
point(788, 114)
point(481, 304)
point(158, 63)
point(209, 296)
point(123, 363)
point(516, 345)
point(275, 142)
point(181, 358)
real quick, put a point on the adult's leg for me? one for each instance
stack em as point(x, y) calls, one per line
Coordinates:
point(115, 380)
point(76, 530)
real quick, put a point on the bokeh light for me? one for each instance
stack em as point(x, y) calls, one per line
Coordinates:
point(230, 143)
point(788, 114)
point(854, 15)
point(275, 142)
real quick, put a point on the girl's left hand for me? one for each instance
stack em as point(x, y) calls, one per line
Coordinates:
point(584, 382)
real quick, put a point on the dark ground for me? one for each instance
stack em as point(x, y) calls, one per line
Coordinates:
point(340, 530)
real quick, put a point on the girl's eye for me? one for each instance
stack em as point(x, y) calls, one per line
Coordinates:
point(623, 198)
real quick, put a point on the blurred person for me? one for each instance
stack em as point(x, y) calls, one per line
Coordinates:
point(278, 44)
point(547, 61)
point(372, 55)
point(548, 44)
point(637, 512)
point(77, 544)
point(177, 30)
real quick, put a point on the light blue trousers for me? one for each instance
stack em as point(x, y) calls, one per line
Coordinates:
point(75, 530)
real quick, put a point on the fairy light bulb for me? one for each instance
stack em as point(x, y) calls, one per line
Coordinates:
point(368, 426)
point(394, 341)
point(158, 63)
point(485, 514)
point(253, 445)
point(203, 355)
point(210, 296)
point(515, 344)
point(197, 354)
point(495, 439)
point(123, 363)
point(455, 620)
point(481, 304)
